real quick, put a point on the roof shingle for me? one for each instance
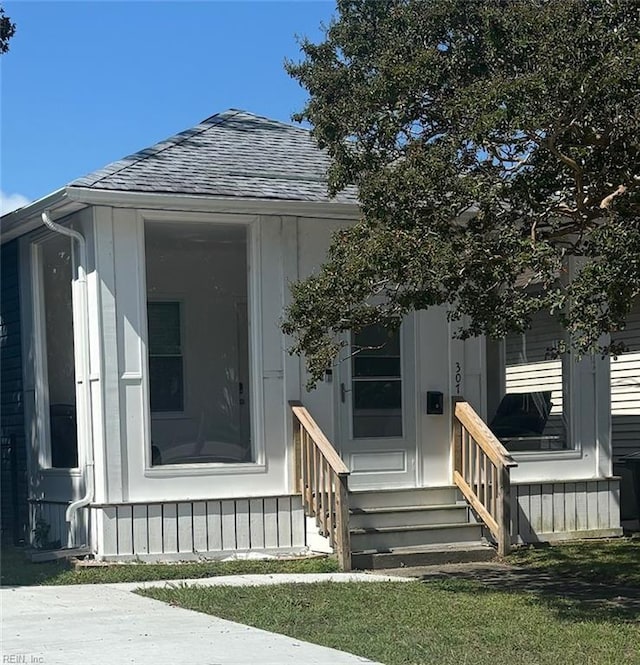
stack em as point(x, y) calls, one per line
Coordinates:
point(231, 154)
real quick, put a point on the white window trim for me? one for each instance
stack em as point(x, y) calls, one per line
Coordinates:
point(570, 400)
point(254, 312)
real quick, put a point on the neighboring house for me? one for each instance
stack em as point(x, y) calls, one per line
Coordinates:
point(151, 384)
point(625, 410)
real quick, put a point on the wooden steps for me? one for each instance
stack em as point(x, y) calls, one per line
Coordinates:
point(416, 526)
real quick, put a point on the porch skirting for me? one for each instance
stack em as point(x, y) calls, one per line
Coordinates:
point(47, 522)
point(191, 530)
point(548, 512)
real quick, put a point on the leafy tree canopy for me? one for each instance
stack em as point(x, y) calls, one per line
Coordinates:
point(7, 30)
point(493, 143)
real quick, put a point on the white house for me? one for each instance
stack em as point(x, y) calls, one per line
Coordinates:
point(151, 384)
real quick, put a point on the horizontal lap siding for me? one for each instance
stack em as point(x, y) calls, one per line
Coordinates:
point(625, 403)
point(14, 514)
point(625, 409)
point(538, 341)
point(529, 367)
point(625, 431)
point(202, 528)
point(552, 511)
point(537, 377)
point(625, 388)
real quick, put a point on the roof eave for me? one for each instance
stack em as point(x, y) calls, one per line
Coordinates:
point(207, 203)
point(66, 200)
point(26, 219)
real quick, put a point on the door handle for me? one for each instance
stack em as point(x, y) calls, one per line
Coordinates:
point(343, 393)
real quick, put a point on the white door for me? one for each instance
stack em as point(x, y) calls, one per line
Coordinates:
point(376, 403)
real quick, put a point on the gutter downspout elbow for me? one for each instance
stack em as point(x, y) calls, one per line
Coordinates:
point(86, 433)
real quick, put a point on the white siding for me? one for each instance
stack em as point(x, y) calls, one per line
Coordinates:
point(194, 529)
point(547, 512)
point(625, 389)
point(537, 376)
point(528, 366)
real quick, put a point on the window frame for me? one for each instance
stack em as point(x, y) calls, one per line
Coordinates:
point(180, 301)
point(253, 240)
point(401, 379)
point(570, 400)
point(42, 403)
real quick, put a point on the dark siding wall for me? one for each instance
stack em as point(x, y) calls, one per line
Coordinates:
point(625, 410)
point(14, 513)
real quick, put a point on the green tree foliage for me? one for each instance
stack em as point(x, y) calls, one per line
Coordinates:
point(7, 30)
point(493, 143)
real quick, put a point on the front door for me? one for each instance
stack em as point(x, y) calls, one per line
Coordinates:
point(376, 407)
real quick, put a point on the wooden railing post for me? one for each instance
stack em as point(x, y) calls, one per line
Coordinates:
point(343, 540)
point(456, 436)
point(296, 430)
point(297, 456)
point(504, 511)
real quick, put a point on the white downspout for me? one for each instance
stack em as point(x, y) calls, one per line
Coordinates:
point(83, 364)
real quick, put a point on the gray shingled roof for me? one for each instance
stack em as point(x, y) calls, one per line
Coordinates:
point(235, 154)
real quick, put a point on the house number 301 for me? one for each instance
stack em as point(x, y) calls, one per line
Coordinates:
point(458, 377)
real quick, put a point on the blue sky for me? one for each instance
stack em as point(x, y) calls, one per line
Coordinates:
point(85, 83)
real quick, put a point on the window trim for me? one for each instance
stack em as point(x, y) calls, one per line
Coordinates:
point(253, 235)
point(570, 402)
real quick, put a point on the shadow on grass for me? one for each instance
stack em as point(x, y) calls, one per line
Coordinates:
point(570, 599)
point(613, 561)
point(17, 570)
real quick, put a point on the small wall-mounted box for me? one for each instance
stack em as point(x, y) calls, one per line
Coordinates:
point(435, 402)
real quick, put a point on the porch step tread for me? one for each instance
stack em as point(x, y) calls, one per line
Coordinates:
point(425, 555)
point(407, 496)
point(412, 527)
point(479, 546)
point(390, 490)
point(406, 509)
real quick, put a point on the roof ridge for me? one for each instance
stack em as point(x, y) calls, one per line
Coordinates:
point(171, 141)
point(262, 117)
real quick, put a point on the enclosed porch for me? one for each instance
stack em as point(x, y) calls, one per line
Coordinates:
point(413, 441)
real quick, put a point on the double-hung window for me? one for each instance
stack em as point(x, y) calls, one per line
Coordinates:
point(166, 380)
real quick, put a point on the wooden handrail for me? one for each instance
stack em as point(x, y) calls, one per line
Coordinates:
point(319, 438)
point(322, 480)
point(481, 470)
point(483, 436)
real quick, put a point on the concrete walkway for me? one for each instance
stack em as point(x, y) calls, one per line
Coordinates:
point(108, 625)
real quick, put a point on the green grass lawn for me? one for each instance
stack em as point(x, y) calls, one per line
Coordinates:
point(15, 569)
point(436, 622)
point(615, 561)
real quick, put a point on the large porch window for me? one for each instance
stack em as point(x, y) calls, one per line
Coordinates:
point(198, 343)
point(528, 388)
point(54, 310)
